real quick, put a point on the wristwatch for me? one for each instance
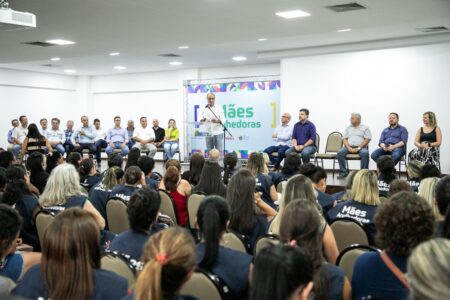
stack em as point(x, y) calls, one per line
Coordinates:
point(359, 148)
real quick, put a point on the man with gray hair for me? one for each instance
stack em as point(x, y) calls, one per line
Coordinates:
point(356, 139)
point(282, 135)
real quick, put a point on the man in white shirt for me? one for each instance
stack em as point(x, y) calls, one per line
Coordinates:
point(19, 135)
point(99, 140)
point(213, 117)
point(56, 136)
point(43, 129)
point(282, 136)
point(144, 137)
point(356, 139)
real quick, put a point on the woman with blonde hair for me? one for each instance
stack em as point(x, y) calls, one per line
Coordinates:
point(63, 190)
point(264, 184)
point(70, 266)
point(426, 191)
point(301, 187)
point(363, 204)
point(169, 261)
point(428, 270)
point(428, 140)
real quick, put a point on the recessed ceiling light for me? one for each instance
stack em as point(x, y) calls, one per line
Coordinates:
point(120, 68)
point(262, 39)
point(239, 58)
point(183, 47)
point(55, 59)
point(114, 53)
point(175, 63)
point(70, 71)
point(344, 30)
point(292, 14)
point(60, 42)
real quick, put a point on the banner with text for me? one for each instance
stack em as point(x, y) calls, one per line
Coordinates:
point(251, 110)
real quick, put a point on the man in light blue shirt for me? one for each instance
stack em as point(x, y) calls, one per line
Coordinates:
point(282, 136)
point(86, 135)
point(356, 139)
point(56, 136)
point(117, 138)
point(14, 123)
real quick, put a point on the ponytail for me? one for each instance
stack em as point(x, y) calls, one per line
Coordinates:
point(85, 168)
point(148, 285)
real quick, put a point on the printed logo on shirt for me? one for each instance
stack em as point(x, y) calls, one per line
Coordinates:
point(354, 213)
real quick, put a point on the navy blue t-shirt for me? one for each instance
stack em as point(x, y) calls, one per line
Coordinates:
point(360, 212)
point(74, 201)
point(263, 184)
point(383, 187)
point(123, 192)
point(325, 200)
point(260, 228)
point(372, 278)
point(98, 196)
point(151, 183)
point(107, 285)
point(91, 181)
point(232, 267)
point(25, 206)
point(336, 279)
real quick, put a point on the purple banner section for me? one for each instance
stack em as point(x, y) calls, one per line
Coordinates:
point(234, 87)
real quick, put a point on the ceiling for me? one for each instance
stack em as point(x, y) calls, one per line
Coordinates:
point(215, 30)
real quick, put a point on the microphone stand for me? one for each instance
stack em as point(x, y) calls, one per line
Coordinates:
point(224, 128)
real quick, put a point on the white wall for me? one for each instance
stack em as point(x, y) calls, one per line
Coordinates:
point(408, 81)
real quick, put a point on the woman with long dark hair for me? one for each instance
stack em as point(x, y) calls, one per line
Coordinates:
point(300, 225)
point(18, 194)
point(89, 177)
point(36, 164)
point(195, 169)
point(386, 174)
point(63, 275)
point(133, 157)
point(230, 162)
point(230, 265)
point(34, 142)
point(210, 182)
point(53, 161)
point(264, 184)
point(249, 214)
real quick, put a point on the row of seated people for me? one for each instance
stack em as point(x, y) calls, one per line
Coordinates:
point(301, 138)
point(26, 139)
point(403, 222)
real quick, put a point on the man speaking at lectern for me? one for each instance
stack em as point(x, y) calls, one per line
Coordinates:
point(212, 117)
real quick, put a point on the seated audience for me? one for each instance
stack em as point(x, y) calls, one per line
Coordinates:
point(169, 261)
point(427, 192)
point(83, 137)
point(413, 173)
point(34, 142)
point(210, 182)
point(18, 195)
point(230, 265)
point(304, 137)
point(173, 163)
point(249, 214)
point(386, 173)
point(214, 155)
point(133, 157)
point(282, 136)
point(2, 181)
point(230, 162)
point(89, 176)
point(195, 169)
point(6, 159)
point(179, 189)
point(428, 270)
point(114, 160)
point(144, 137)
point(277, 275)
point(100, 141)
point(300, 187)
point(53, 161)
point(117, 139)
point(363, 204)
point(130, 133)
point(172, 135)
point(74, 158)
point(13, 263)
point(132, 178)
point(300, 225)
point(428, 140)
point(99, 194)
point(344, 195)
point(159, 133)
point(264, 184)
point(63, 275)
point(68, 146)
point(142, 211)
point(36, 165)
point(428, 171)
point(402, 222)
point(63, 190)
point(318, 177)
point(442, 197)
point(398, 185)
point(393, 140)
point(10, 139)
point(146, 164)
point(19, 134)
point(56, 136)
point(291, 167)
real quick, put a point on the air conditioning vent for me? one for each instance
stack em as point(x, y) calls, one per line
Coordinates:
point(169, 55)
point(38, 43)
point(433, 29)
point(51, 66)
point(346, 7)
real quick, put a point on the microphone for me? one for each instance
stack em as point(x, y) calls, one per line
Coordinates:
point(207, 105)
